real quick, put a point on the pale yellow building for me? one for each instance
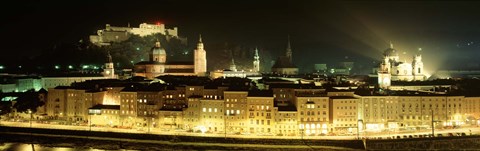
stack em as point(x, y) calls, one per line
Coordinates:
point(261, 115)
point(128, 107)
point(236, 111)
point(286, 120)
point(104, 115)
point(313, 115)
point(344, 114)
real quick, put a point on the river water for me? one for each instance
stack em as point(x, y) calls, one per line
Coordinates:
point(37, 147)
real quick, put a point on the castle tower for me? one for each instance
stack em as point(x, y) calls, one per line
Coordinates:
point(109, 71)
point(200, 58)
point(289, 50)
point(158, 54)
point(256, 61)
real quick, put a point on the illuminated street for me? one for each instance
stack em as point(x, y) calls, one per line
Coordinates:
point(370, 135)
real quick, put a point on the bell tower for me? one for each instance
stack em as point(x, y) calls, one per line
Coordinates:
point(256, 61)
point(109, 71)
point(200, 58)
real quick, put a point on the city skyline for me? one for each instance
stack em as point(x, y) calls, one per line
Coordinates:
point(357, 30)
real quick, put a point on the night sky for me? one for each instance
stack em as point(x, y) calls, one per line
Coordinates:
point(321, 32)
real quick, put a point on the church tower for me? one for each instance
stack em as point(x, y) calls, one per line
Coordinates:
point(418, 67)
point(109, 71)
point(200, 58)
point(385, 73)
point(256, 61)
point(289, 50)
point(158, 54)
point(233, 67)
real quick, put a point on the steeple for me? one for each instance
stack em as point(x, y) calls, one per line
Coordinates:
point(256, 61)
point(200, 58)
point(391, 45)
point(289, 50)
point(109, 57)
point(233, 67)
point(109, 71)
point(200, 43)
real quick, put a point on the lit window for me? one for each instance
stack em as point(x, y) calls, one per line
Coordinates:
point(204, 109)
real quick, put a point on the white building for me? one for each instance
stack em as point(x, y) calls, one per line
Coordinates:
point(200, 58)
point(392, 69)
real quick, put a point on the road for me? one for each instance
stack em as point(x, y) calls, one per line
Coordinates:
point(371, 135)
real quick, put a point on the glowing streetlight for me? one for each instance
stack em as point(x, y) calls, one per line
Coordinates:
point(2, 67)
point(30, 112)
point(57, 67)
point(70, 67)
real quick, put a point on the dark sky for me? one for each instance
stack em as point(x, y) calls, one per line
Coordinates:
point(323, 31)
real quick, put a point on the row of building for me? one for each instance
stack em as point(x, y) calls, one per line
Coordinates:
point(237, 106)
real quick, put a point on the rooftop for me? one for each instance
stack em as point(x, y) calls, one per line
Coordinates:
point(283, 62)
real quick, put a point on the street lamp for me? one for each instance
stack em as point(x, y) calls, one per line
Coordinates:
point(30, 112)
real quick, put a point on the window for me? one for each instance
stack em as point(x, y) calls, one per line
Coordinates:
point(204, 109)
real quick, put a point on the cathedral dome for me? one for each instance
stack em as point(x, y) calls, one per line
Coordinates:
point(157, 50)
point(390, 52)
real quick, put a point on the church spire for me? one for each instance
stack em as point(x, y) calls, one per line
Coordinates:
point(200, 58)
point(391, 45)
point(233, 67)
point(256, 61)
point(289, 50)
point(109, 57)
point(200, 43)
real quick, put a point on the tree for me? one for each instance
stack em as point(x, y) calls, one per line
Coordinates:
point(5, 107)
point(28, 100)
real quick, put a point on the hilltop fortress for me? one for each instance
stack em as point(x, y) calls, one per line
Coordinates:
point(118, 34)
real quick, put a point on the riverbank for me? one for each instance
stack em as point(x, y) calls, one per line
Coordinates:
point(116, 141)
